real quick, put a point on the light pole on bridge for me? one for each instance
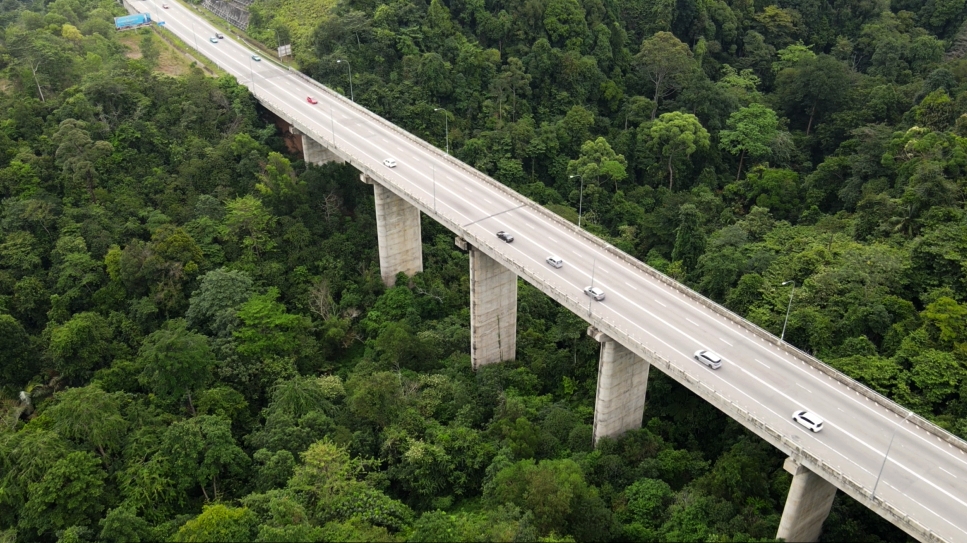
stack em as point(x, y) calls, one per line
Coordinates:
point(788, 307)
point(580, 198)
point(886, 454)
point(446, 125)
point(348, 65)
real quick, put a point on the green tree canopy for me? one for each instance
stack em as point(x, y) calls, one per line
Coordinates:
point(673, 137)
point(175, 361)
point(751, 131)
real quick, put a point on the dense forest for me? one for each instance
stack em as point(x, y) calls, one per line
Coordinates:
point(196, 345)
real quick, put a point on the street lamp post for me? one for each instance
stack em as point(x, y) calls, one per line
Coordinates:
point(194, 34)
point(788, 307)
point(446, 125)
point(580, 198)
point(885, 455)
point(350, 66)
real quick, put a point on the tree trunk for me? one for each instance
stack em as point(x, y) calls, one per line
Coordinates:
point(90, 187)
point(654, 109)
point(811, 115)
point(33, 70)
point(671, 173)
point(741, 158)
point(203, 491)
point(514, 110)
point(191, 406)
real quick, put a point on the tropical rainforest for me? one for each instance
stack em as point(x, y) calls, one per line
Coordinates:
point(196, 344)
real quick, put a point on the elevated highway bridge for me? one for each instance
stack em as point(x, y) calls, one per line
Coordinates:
point(898, 464)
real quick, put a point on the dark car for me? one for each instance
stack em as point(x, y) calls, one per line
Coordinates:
point(505, 236)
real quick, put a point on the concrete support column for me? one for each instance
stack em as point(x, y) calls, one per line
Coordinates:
point(400, 234)
point(619, 404)
point(807, 505)
point(493, 309)
point(313, 152)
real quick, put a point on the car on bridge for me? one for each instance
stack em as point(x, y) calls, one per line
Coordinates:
point(709, 358)
point(256, 58)
point(213, 39)
point(555, 261)
point(311, 100)
point(809, 420)
point(389, 162)
point(506, 236)
point(595, 293)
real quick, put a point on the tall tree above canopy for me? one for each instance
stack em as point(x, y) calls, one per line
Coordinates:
point(666, 62)
point(78, 154)
point(814, 86)
point(674, 137)
point(81, 345)
point(750, 131)
point(175, 361)
point(598, 160)
point(89, 415)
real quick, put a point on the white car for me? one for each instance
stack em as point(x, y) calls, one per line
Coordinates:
point(595, 293)
point(809, 420)
point(555, 261)
point(709, 358)
point(389, 163)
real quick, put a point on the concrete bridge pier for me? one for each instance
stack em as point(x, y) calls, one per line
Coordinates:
point(314, 152)
point(493, 309)
point(399, 232)
point(808, 504)
point(619, 403)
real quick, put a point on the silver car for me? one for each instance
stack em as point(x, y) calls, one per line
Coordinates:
point(809, 420)
point(709, 358)
point(595, 293)
point(555, 261)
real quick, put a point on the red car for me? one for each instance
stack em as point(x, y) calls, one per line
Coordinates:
point(311, 100)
